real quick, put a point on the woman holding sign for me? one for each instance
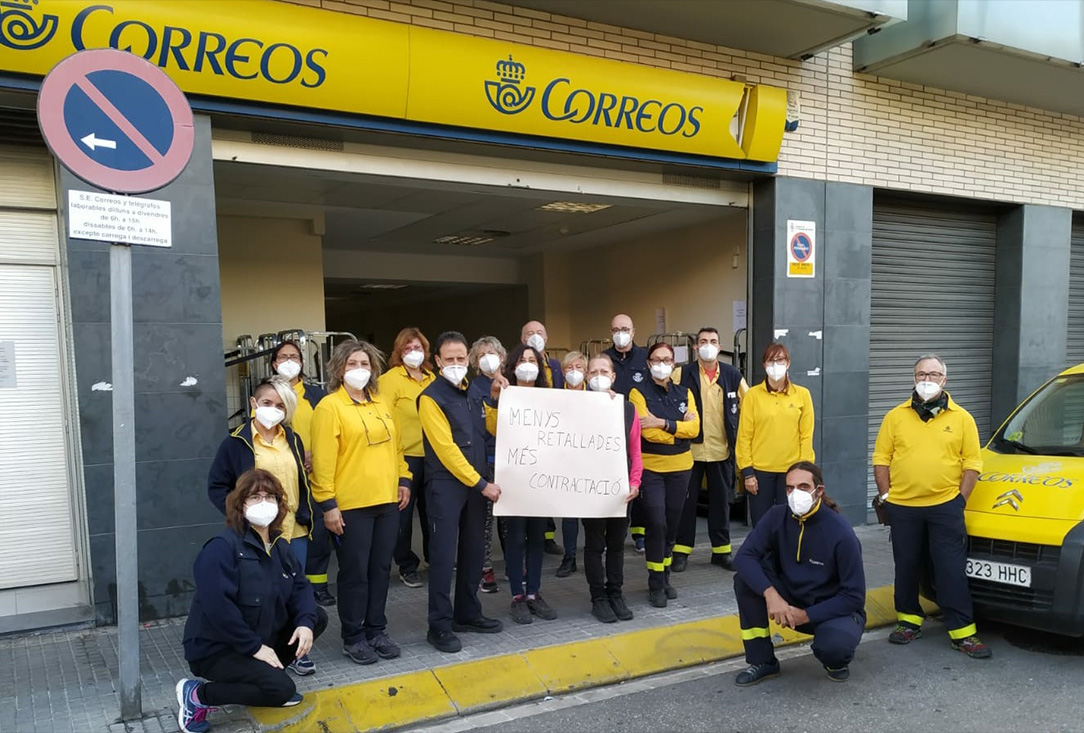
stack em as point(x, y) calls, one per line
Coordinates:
point(669, 421)
point(526, 535)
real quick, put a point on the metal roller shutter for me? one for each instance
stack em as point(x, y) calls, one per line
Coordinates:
point(932, 291)
point(1075, 340)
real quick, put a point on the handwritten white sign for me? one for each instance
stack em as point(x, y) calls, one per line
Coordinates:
point(560, 453)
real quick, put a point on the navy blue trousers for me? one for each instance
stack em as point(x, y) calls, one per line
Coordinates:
point(457, 523)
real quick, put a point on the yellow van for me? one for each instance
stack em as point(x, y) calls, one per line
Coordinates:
point(1025, 518)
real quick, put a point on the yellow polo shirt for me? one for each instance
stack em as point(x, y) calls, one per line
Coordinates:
point(926, 460)
point(715, 447)
point(401, 391)
point(302, 420)
point(775, 430)
point(277, 458)
point(357, 454)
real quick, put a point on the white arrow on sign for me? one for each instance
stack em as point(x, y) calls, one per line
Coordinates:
point(96, 142)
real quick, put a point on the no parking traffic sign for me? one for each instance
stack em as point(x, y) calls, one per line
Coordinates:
point(801, 248)
point(116, 121)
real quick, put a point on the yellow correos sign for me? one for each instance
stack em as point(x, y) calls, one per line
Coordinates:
point(270, 52)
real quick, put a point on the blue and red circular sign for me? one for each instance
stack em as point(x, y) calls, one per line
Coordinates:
point(801, 247)
point(116, 121)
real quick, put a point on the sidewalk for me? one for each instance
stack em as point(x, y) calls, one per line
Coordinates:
point(63, 681)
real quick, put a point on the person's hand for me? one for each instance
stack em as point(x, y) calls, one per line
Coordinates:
point(303, 637)
point(404, 497)
point(649, 421)
point(798, 617)
point(634, 491)
point(751, 485)
point(613, 395)
point(492, 492)
point(267, 655)
point(778, 608)
point(333, 520)
point(308, 461)
point(689, 416)
point(499, 383)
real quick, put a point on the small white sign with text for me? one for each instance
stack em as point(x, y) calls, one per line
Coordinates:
point(104, 217)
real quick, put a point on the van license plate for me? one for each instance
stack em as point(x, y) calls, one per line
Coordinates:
point(999, 572)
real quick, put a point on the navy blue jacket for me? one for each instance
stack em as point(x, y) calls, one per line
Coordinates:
point(313, 394)
point(820, 570)
point(245, 596)
point(729, 379)
point(236, 455)
point(466, 417)
point(630, 368)
point(479, 390)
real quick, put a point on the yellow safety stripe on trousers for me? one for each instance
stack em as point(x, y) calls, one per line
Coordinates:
point(966, 631)
point(757, 633)
point(721, 550)
point(657, 567)
point(317, 578)
point(668, 561)
point(637, 530)
point(551, 535)
point(909, 618)
point(683, 549)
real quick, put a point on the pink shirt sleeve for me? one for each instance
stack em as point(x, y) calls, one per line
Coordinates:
point(636, 472)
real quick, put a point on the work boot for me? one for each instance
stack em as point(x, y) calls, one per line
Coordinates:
point(621, 609)
point(657, 597)
point(755, 673)
point(680, 562)
point(603, 611)
point(723, 560)
point(568, 566)
point(972, 647)
point(904, 635)
point(552, 548)
point(323, 596)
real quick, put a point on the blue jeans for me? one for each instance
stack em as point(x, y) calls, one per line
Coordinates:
point(300, 548)
point(526, 536)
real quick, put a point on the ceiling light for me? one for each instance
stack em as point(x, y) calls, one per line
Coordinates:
point(573, 207)
point(382, 286)
point(463, 240)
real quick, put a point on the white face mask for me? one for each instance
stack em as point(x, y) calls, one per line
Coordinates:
point(262, 514)
point(600, 383)
point(708, 352)
point(927, 390)
point(662, 371)
point(574, 378)
point(454, 373)
point(489, 364)
point(357, 378)
point(269, 416)
point(414, 359)
point(526, 372)
point(800, 502)
point(776, 372)
point(536, 342)
point(288, 369)
point(622, 339)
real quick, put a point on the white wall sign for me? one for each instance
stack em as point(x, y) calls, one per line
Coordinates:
point(801, 247)
point(103, 217)
point(7, 365)
point(560, 454)
point(740, 315)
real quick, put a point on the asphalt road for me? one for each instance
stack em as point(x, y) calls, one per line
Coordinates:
point(1032, 683)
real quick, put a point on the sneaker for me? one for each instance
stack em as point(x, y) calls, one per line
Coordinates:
point(638, 544)
point(191, 715)
point(621, 610)
point(480, 625)
point(411, 579)
point(360, 652)
point(384, 647)
point(603, 611)
point(295, 700)
point(552, 548)
point(568, 566)
point(904, 635)
point(540, 608)
point(972, 647)
point(489, 582)
point(657, 597)
point(723, 560)
point(323, 597)
point(302, 667)
point(444, 641)
point(519, 611)
point(680, 562)
point(755, 673)
point(838, 675)
point(671, 592)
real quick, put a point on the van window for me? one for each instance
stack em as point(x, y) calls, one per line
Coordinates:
point(1050, 423)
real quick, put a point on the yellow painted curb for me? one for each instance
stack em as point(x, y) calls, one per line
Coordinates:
point(468, 687)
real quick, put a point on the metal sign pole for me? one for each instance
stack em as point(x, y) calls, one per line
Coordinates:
point(124, 481)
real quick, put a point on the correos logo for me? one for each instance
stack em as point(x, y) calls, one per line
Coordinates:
point(1027, 479)
point(170, 47)
point(561, 102)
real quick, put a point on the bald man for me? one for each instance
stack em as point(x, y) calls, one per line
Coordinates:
point(534, 334)
point(630, 360)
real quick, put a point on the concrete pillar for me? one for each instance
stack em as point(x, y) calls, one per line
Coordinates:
point(823, 321)
point(1030, 315)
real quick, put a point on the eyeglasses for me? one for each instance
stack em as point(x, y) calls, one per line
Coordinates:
point(928, 375)
point(282, 357)
point(624, 329)
point(257, 498)
point(657, 362)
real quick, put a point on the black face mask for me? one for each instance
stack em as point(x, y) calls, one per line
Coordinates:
point(929, 410)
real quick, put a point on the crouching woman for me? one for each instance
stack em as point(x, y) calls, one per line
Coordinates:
point(253, 612)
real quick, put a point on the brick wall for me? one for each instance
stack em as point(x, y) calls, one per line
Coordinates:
point(854, 127)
